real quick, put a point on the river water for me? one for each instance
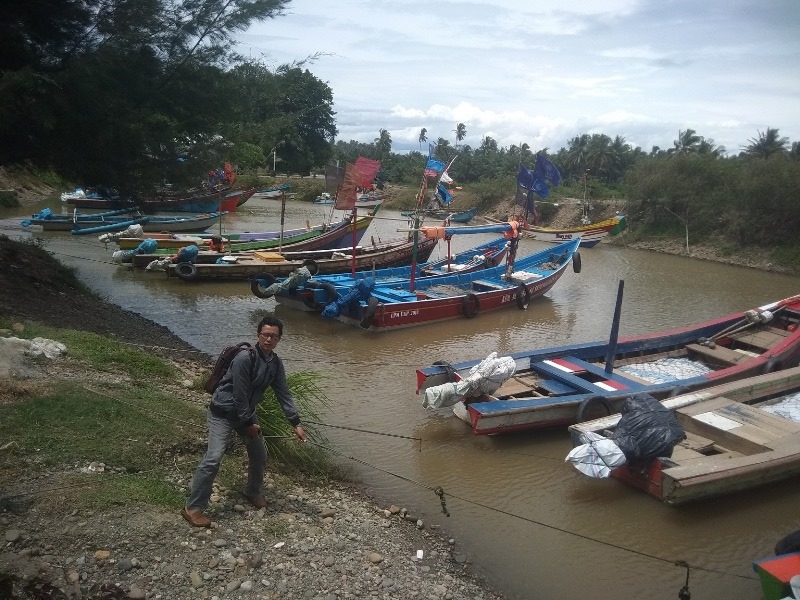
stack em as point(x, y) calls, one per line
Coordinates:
point(531, 524)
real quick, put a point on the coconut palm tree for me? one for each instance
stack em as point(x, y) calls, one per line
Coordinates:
point(461, 132)
point(766, 144)
point(423, 137)
point(688, 142)
point(600, 154)
point(577, 152)
point(383, 144)
point(709, 147)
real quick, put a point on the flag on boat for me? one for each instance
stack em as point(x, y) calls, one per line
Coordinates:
point(443, 195)
point(547, 170)
point(529, 180)
point(369, 169)
point(433, 167)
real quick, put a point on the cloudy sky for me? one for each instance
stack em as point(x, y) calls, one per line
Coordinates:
point(527, 71)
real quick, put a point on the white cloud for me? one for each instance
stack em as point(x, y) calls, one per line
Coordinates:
point(521, 72)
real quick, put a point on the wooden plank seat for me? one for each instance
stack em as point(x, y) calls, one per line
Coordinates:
point(481, 285)
point(719, 355)
point(763, 339)
point(566, 370)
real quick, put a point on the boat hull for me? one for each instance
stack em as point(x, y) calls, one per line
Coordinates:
point(314, 299)
point(564, 377)
point(460, 295)
point(328, 261)
point(341, 234)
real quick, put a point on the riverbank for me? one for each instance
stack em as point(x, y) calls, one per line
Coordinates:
point(318, 539)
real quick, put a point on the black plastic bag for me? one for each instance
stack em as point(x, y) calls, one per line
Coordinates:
point(646, 429)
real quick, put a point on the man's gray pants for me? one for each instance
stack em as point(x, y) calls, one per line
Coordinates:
point(219, 433)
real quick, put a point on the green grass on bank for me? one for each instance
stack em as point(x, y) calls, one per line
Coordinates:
point(150, 437)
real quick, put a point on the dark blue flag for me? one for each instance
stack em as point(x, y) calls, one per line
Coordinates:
point(530, 180)
point(547, 170)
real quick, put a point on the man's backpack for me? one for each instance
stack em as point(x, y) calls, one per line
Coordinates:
point(224, 361)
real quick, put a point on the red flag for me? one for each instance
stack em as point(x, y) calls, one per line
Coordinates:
point(369, 169)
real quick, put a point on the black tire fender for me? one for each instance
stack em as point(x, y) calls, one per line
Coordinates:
point(310, 300)
point(523, 296)
point(772, 364)
point(576, 262)
point(369, 313)
point(311, 265)
point(589, 404)
point(259, 284)
point(470, 305)
point(186, 270)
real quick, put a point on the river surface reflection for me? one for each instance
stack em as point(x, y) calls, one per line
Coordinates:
point(530, 523)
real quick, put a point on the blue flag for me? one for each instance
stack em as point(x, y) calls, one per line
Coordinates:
point(434, 164)
point(547, 170)
point(530, 180)
point(444, 196)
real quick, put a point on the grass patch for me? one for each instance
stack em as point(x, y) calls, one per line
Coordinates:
point(71, 424)
point(114, 490)
point(9, 199)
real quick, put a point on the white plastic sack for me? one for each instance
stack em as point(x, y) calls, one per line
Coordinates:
point(160, 264)
point(35, 347)
point(133, 231)
point(484, 378)
point(597, 456)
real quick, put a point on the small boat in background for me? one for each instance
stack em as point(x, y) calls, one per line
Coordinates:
point(363, 200)
point(175, 240)
point(267, 266)
point(119, 220)
point(339, 236)
point(272, 192)
point(315, 293)
point(590, 233)
point(455, 295)
point(573, 383)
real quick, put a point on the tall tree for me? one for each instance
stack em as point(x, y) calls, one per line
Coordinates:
point(461, 133)
point(423, 137)
point(116, 90)
point(766, 144)
point(383, 145)
point(688, 142)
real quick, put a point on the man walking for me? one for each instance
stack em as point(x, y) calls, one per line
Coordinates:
point(233, 409)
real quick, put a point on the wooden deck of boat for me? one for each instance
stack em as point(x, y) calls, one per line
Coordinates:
point(730, 443)
point(729, 446)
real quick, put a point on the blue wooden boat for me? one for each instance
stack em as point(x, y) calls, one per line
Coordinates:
point(314, 294)
point(568, 384)
point(453, 296)
point(119, 220)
